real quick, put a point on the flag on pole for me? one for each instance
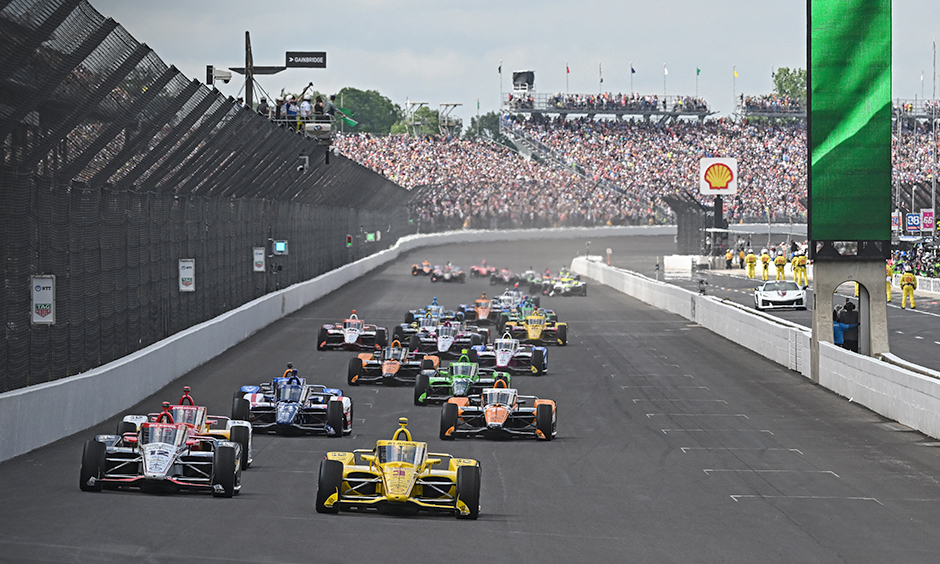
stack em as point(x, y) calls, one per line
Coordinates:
point(478, 103)
point(567, 70)
point(500, 71)
point(632, 70)
point(698, 71)
point(665, 70)
point(735, 72)
point(600, 73)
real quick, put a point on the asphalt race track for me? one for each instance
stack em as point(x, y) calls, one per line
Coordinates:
point(674, 446)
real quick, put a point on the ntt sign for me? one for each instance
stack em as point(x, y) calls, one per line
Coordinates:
point(306, 59)
point(718, 177)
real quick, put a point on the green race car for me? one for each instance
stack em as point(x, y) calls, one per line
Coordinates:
point(460, 378)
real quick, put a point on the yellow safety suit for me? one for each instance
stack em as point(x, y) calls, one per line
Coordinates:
point(728, 258)
point(751, 261)
point(780, 262)
point(801, 272)
point(908, 285)
point(765, 262)
point(889, 274)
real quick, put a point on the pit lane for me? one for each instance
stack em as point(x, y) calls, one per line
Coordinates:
point(674, 445)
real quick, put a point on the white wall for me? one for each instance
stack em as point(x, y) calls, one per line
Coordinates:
point(910, 396)
point(38, 415)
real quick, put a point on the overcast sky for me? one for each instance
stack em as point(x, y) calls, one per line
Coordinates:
point(439, 51)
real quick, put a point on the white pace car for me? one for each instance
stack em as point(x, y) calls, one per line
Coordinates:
point(779, 295)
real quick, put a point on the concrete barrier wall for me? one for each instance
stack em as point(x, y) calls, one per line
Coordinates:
point(38, 415)
point(908, 396)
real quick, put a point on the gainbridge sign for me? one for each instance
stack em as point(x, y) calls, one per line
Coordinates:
point(718, 177)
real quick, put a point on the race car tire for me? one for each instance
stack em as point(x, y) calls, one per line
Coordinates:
point(414, 270)
point(468, 490)
point(381, 337)
point(329, 482)
point(224, 471)
point(476, 340)
point(409, 317)
point(493, 281)
point(321, 339)
point(584, 290)
point(537, 301)
point(459, 315)
point(448, 420)
point(93, 463)
point(334, 417)
point(543, 421)
point(538, 361)
point(242, 436)
point(397, 334)
point(427, 364)
point(473, 356)
point(126, 427)
point(563, 334)
point(501, 323)
point(352, 375)
point(414, 343)
point(241, 409)
point(422, 388)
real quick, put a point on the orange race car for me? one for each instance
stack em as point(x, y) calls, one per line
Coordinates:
point(498, 413)
point(424, 268)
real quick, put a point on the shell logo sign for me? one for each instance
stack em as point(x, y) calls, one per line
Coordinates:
point(718, 176)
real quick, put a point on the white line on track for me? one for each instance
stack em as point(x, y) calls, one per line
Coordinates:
point(740, 497)
point(796, 450)
point(709, 471)
point(667, 431)
point(651, 415)
point(635, 400)
point(677, 387)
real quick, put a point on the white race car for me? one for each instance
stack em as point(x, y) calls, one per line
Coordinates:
point(779, 295)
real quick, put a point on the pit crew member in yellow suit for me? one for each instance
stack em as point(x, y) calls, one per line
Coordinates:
point(889, 274)
point(751, 261)
point(908, 285)
point(801, 265)
point(780, 262)
point(765, 263)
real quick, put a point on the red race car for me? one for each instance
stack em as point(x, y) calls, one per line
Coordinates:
point(482, 270)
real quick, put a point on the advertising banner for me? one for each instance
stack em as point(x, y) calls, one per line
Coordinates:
point(257, 261)
point(42, 289)
point(718, 177)
point(926, 220)
point(895, 221)
point(187, 275)
point(913, 222)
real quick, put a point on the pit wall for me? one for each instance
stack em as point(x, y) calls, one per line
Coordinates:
point(38, 415)
point(906, 393)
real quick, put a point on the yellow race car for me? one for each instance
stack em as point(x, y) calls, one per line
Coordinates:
point(398, 475)
point(538, 329)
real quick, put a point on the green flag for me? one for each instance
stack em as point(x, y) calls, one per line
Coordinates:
point(698, 71)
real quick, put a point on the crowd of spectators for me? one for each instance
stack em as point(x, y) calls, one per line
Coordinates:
point(480, 184)
point(653, 160)
point(638, 103)
point(772, 103)
point(923, 260)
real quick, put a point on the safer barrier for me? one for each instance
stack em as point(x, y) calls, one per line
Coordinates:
point(909, 397)
point(86, 399)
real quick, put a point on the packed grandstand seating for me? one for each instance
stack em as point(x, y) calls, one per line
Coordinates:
point(771, 103)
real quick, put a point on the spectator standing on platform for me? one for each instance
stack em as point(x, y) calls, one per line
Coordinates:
point(263, 107)
point(318, 106)
point(305, 109)
point(329, 107)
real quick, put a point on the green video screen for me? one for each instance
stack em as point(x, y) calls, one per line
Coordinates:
point(850, 120)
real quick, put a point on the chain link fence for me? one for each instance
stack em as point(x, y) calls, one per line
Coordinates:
point(116, 166)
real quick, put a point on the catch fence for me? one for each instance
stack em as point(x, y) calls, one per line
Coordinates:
point(116, 166)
